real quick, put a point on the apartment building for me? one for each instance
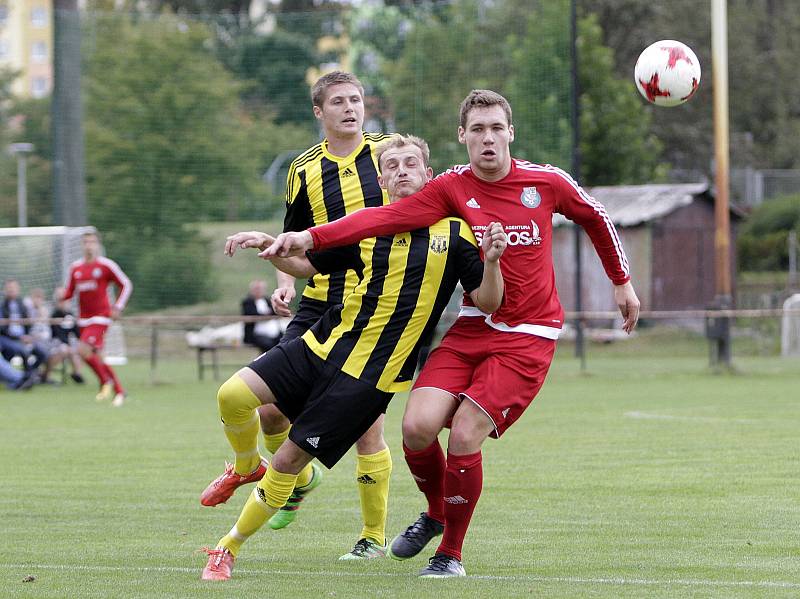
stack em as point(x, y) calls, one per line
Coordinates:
point(26, 40)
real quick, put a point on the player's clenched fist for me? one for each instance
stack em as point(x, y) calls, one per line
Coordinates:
point(494, 242)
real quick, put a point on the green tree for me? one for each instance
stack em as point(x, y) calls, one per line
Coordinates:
point(617, 146)
point(540, 85)
point(530, 63)
point(8, 173)
point(763, 240)
point(274, 67)
point(165, 146)
point(32, 117)
point(444, 57)
point(763, 36)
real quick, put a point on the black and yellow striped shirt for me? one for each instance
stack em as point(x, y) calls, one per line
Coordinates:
point(406, 282)
point(321, 188)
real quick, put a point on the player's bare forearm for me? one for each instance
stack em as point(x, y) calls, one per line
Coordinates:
point(488, 297)
point(284, 279)
point(297, 266)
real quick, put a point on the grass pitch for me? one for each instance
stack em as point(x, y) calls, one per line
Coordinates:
point(643, 477)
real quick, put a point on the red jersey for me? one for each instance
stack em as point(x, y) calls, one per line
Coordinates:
point(90, 280)
point(523, 202)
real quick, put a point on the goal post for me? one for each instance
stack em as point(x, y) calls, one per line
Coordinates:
point(790, 327)
point(40, 257)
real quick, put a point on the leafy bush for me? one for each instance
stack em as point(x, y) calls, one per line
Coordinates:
point(763, 240)
point(173, 273)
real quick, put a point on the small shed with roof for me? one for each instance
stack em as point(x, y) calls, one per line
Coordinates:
point(667, 231)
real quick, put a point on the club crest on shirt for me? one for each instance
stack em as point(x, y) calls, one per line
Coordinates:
point(97, 272)
point(438, 244)
point(530, 197)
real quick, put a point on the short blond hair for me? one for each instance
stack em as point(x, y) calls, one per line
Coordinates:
point(401, 141)
point(481, 98)
point(320, 88)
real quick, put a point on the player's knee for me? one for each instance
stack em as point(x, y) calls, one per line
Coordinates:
point(232, 401)
point(467, 436)
point(417, 432)
point(273, 422)
point(288, 461)
point(371, 442)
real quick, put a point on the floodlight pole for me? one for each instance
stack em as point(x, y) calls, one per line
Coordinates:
point(21, 151)
point(719, 65)
point(580, 342)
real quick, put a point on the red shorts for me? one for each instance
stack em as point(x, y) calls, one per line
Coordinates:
point(500, 372)
point(94, 335)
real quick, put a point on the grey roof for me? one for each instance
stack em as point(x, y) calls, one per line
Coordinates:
point(630, 205)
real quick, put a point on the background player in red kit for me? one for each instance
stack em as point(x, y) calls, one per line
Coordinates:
point(90, 278)
point(488, 368)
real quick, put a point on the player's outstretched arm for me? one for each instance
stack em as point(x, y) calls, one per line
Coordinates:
point(628, 305)
point(297, 266)
point(489, 295)
point(289, 244)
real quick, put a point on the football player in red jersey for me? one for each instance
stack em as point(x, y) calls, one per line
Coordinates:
point(90, 278)
point(489, 367)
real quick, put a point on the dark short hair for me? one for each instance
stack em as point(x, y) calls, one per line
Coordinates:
point(320, 88)
point(480, 98)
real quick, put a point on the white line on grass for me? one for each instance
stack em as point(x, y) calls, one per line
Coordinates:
point(345, 574)
point(651, 416)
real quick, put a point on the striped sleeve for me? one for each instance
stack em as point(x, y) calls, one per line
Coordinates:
point(581, 208)
point(124, 284)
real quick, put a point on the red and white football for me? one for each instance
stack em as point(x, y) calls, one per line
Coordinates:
point(667, 73)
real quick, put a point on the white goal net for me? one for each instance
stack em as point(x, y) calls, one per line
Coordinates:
point(40, 257)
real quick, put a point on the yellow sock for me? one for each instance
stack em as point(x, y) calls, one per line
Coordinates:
point(273, 442)
point(305, 476)
point(237, 408)
point(372, 474)
point(270, 494)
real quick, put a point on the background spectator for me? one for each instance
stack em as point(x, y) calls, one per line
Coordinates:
point(266, 334)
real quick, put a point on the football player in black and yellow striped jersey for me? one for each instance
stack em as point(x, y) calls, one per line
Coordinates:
point(335, 177)
point(336, 379)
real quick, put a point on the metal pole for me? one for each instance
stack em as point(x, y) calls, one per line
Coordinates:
point(580, 342)
point(719, 62)
point(792, 241)
point(22, 191)
point(69, 186)
point(21, 150)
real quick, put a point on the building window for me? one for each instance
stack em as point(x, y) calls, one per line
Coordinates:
point(39, 16)
point(3, 14)
point(39, 52)
point(38, 87)
point(3, 49)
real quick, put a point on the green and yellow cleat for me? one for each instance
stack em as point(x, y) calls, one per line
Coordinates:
point(287, 514)
point(366, 549)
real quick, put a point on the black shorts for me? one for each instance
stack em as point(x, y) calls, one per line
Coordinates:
point(329, 409)
point(308, 312)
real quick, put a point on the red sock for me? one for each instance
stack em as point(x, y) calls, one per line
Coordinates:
point(427, 466)
point(113, 376)
point(96, 364)
point(462, 489)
